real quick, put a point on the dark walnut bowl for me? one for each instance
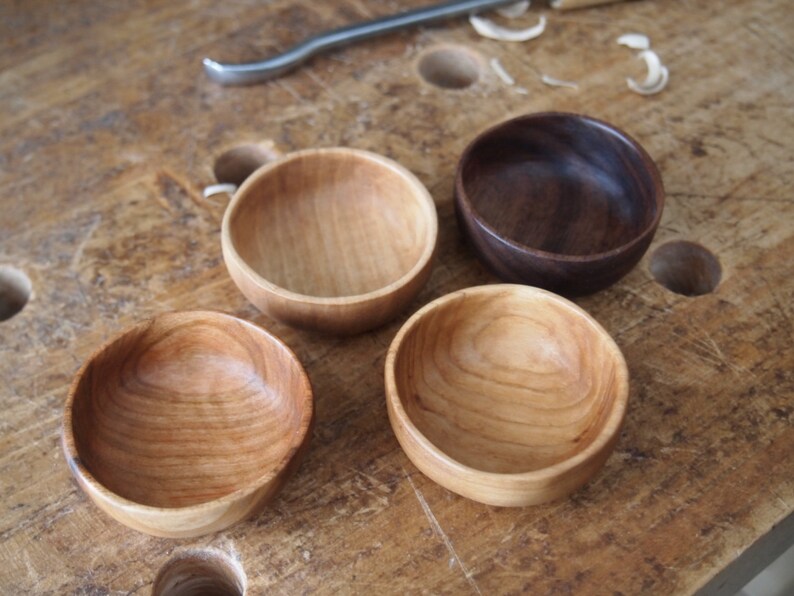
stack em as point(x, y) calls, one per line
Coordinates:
point(560, 201)
point(506, 394)
point(188, 423)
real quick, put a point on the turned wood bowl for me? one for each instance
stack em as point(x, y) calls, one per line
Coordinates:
point(506, 394)
point(559, 201)
point(187, 423)
point(332, 240)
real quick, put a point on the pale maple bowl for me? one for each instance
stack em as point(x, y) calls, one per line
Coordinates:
point(506, 394)
point(332, 240)
point(188, 423)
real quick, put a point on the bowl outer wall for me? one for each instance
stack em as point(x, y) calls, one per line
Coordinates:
point(571, 275)
point(337, 315)
point(203, 518)
point(504, 490)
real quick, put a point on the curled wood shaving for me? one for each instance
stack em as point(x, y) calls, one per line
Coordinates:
point(635, 41)
point(654, 65)
point(501, 72)
point(491, 30)
point(511, 11)
point(558, 82)
point(657, 76)
point(219, 189)
point(653, 89)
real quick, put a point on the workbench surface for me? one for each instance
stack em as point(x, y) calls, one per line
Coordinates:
point(109, 131)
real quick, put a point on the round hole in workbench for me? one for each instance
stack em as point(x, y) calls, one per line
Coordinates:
point(450, 67)
point(15, 288)
point(686, 268)
point(200, 572)
point(236, 164)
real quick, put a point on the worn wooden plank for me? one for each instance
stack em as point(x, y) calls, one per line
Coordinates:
point(109, 132)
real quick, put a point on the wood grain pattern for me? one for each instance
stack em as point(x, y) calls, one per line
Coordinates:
point(333, 240)
point(187, 423)
point(560, 201)
point(109, 133)
point(506, 394)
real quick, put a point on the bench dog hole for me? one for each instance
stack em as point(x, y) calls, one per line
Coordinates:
point(15, 288)
point(236, 164)
point(686, 268)
point(450, 67)
point(200, 573)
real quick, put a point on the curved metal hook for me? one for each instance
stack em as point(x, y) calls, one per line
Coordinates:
point(254, 72)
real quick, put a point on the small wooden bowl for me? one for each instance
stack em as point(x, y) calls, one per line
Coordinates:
point(332, 240)
point(506, 394)
point(560, 201)
point(188, 423)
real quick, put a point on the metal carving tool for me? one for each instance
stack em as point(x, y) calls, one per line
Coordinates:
point(255, 72)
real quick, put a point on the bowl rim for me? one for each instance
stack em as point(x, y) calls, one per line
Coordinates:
point(78, 468)
point(606, 434)
point(659, 192)
point(418, 191)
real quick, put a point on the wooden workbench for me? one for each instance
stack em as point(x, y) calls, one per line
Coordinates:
point(108, 133)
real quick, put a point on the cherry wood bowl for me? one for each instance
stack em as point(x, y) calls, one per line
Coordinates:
point(333, 240)
point(506, 394)
point(187, 423)
point(560, 201)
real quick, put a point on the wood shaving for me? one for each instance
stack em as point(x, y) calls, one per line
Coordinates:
point(644, 90)
point(558, 82)
point(657, 76)
point(501, 72)
point(219, 189)
point(635, 41)
point(654, 65)
point(491, 30)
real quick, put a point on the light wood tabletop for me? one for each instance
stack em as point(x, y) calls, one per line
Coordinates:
point(109, 133)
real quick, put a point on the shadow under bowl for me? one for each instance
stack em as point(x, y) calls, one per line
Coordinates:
point(187, 423)
point(506, 394)
point(559, 201)
point(333, 240)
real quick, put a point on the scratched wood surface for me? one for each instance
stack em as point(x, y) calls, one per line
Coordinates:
point(109, 131)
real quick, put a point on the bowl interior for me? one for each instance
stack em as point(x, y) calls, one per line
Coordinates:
point(187, 409)
point(331, 223)
point(509, 382)
point(562, 184)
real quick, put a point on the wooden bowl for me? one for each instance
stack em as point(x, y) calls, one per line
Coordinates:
point(332, 240)
point(188, 423)
point(560, 201)
point(506, 394)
